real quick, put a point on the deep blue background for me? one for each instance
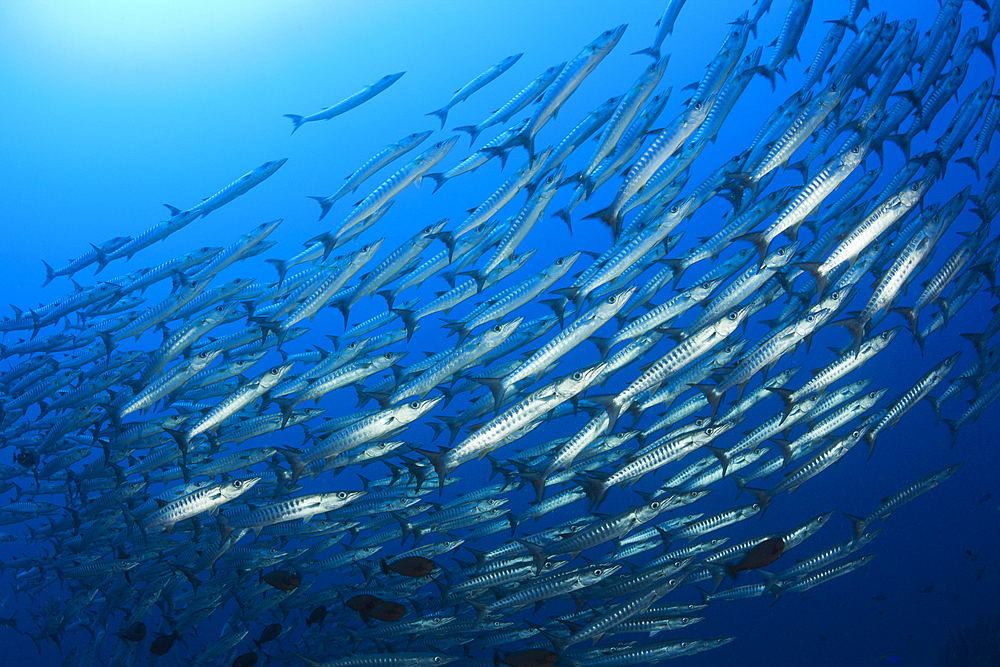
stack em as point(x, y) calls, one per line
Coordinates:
point(111, 110)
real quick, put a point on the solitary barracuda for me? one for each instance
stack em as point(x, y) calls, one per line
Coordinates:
point(358, 98)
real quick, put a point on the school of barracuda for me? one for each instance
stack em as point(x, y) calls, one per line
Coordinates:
point(135, 465)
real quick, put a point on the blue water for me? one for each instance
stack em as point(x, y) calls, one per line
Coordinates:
point(110, 111)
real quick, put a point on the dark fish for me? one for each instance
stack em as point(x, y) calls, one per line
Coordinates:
point(316, 616)
point(363, 604)
point(387, 610)
point(927, 590)
point(283, 580)
point(532, 657)
point(268, 634)
point(246, 660)
point(760, 556)
point(979, 575)
point(27, 459)
point(986, 497)
point(411, 566)
point(162, 644)
point(973, 555)
point(880, 598)
point(134, 633)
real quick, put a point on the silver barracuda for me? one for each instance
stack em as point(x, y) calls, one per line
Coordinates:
point(358, 98)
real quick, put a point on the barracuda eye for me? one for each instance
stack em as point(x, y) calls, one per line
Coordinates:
point(833, 87)
point(755, 506)
point(674, 209)
point(856, 150)
point(342, 495)
point(872, 394)
point(428, 230)
point(671, 581)
point(885, 336)
point(781, 252)
point(684, 619)
point(274, 371)
point(365, 248)
point(237, 484)
point(654, 505)
point(856, 434)
point(498, 328)
point(415, 404)
point(732, 317)
point(578, 375)
point(611, 299)
point(559, 262)
point(598, 573)
point(387, 355)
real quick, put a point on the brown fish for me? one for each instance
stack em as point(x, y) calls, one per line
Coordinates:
point(411, 566)
point(246, 660)
point(387, 610)
point(134, 633)
point(268, 634)
point(363, 604)
point(317, 615)
point(27, 459)
point(162, 644)
point(283, 580)
point(761, 555)
point(532, 657)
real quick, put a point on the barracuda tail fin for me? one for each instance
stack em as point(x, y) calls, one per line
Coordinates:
point(441, 113)
point(818, 276)
point(472, 130)
point(296, 121)
point(324, 204)
point(971, 162)
point(648, 51)
point(439, 179)
point(50, 273)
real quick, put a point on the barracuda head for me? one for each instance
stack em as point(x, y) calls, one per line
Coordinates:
point(237, 487)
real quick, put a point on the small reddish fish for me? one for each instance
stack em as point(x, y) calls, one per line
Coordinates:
point(532, 657)
point(268, 634)
point(387, 610)
point(363, 604)
point(283, 580)
point(134, 633)
point(411, 566)
point(317, 615)
point(761, 555)
point(246, 660)
point(162, 644)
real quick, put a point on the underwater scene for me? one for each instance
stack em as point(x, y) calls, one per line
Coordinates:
point(583, 333)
